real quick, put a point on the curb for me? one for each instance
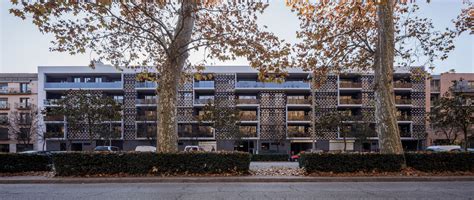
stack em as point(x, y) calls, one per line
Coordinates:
point(255, 179)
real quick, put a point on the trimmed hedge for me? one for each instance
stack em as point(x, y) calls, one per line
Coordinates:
point(270, 157)
point(12, 163)
point(350, 162)
point(441, 162)
point(80, 164)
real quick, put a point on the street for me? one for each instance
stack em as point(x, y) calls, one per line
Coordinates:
point(257, 191)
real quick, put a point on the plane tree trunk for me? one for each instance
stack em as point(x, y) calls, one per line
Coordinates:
point(385, 112)
point(167, 132)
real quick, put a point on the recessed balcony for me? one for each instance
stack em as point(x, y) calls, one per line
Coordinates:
point(299, 101)
point(299, 117)
point(248, 117)
point(146, 117)
point(404, 117)
point(402, 85)
point(247, 101)
point(14, 91)
point(146, 85)
point(51, 102)
point(272, 85)
point(53, 118)
point(203, 101)
point(298, 134)
point(403, 101)
point(204, 85)
point(350, 85)
point(84, 85)
point(153, 101)
point(350, 101)
point(22, 106)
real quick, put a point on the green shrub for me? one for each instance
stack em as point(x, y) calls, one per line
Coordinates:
point(80, 164)
point(350, 162)
point(441, 162)
point(12, 162)
point(270, 157)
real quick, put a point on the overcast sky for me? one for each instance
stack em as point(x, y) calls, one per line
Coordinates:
point(23, 47)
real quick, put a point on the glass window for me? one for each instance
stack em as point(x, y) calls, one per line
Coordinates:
point(3, 102)
point(98, 79)
point(3, 86)
point(77, 79)
point(23, 87)
point(470, 84)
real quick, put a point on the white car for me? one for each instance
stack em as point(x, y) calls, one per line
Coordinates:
point(145, 149)
point(444, 148)
point(193, 148)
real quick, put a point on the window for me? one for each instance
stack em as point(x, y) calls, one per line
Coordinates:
point(4, 148)
point(24, 102)
point(470, 84)
point(98, 79)
point(3, 103)
point(87, 80)
point(4, 86)
point(77, 79)
point(3, 119)
point(3, 133)
point(24, 87)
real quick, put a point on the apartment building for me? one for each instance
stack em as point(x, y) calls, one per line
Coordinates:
point(18, 94)
point(275, 117)
point(438, 86)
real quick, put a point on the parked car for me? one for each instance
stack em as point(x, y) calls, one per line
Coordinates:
point(444, 148)
point(193, 148)
point(145, 149)
point(46, 153)
point(106, 148)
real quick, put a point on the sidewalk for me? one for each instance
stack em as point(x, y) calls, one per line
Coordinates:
point(230, 179)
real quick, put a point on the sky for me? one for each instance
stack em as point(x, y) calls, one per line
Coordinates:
point(23, 47)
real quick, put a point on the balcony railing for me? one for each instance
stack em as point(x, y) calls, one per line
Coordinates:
point(82, 85)
point(405, 134)
point(54, 134)
point(247, 101)
point(4, 106)
point(54, 118)
point(22, 106)
point(147, 101)
point(401, 85)
point(299, 118)
point(288, 84)
point(146, 118)
point(299, 101)
point(146, 84)
point(297, 134)
point(204, 84)
point(350, 101)
point(248, 117)
point(203, 101)
point(207, 134)
point(350, 85)
point(404, 118)
point(14, 91)
point(403, 101)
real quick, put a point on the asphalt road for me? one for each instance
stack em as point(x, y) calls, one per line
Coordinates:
point(257, 191)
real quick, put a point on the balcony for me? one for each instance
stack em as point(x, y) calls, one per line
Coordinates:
point(403, 101)
point(53, 134)
point(204, 84)
point(4, 120)
point(402, 85)
point(51, 102)
point(146, 118)
point(247, 101)
point(284, 85)
point(147, 101)
point(345, 84)
point(196, 134)
point(14, 91)
point(404, 117)
point(4, 106)
point(299, 101)
point(22, 106)
point(248, 117)
point(350, 101)
point(82, 85)
point(299, 117)
point(298, 134)
point(54, 118)
point(203, 101)
point(405, 133)
point(146, 84)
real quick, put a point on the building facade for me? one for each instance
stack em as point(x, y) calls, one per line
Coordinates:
point(18, 95)
point(274, 117)
point(440, 85)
